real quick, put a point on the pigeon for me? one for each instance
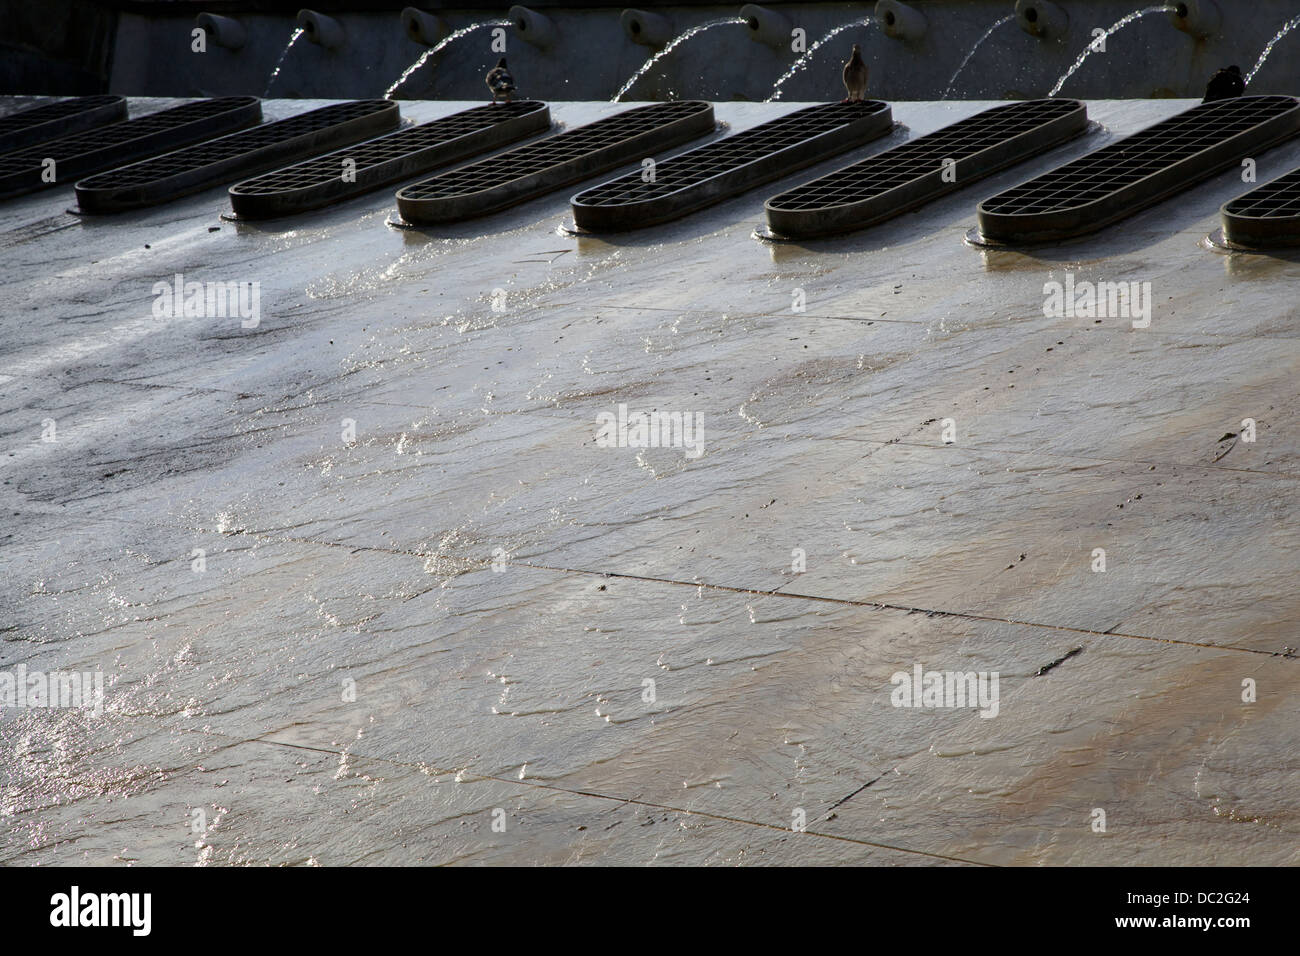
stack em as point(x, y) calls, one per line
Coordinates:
point(855, 77)
point(1226, 84)
point(500, 81)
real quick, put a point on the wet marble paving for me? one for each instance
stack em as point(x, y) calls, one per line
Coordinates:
point(365, 589)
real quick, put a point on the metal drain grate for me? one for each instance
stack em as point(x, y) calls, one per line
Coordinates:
point(892, 182)
point(388, 159)
point(1268, 215)
point(538, 168)
point(253, 151)
point(1117, 180)
point(84, 153)
point(711, 173)
point(40, 123)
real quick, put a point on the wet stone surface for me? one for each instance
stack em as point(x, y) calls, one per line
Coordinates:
point(365, 586)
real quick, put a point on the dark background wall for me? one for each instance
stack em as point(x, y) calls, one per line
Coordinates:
point(143, 48)
point(55, 46)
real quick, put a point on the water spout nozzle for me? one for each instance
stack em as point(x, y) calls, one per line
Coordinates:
point(1198, 18)
point(320, 29)
point(900, 21)
point(224, 31)
point(1042, 19)
point(533, 27)
point(767, 26)
point(647, 29)
point(424, 28)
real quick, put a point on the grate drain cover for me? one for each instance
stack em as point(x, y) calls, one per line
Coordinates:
point(716, 171)
point(1268, 215)
point(213, 163)
point(1116, 181)
point(84, 153)
point(918, 171)
point(52, 120)
point(388, 159)
point(548, 164)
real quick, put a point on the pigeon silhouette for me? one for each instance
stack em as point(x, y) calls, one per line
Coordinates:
point(1225, 85)
point(499, 81)
point(855, 77)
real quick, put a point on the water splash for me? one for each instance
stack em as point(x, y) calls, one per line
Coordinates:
point(987, 33)
point(437, 47)
point(803, 61)
point(1099, 43)
point(672, 44)
point(280, 62)
point(1291, 25)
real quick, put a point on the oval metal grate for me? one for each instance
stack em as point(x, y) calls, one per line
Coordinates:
point(711, 173)
point(890, 183)
point(41, 123)
point(82, 154)
point(218, 161)
point(537, 168)
point(1268, 215)
point(1116, 181)
point(388, 159)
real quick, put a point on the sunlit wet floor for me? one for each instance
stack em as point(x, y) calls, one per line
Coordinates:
point(365, 589)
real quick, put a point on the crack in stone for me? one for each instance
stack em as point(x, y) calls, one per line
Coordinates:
point(1059, 661)
point(597, 795)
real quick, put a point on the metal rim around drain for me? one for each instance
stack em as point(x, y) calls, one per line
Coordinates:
point(52, 120)
point(546, 165)
point(387, 159)
point(87, 153)
point(709, 174)
point(218, 161)
point(1266, 217)
point(921, 170)
point(1135, 172)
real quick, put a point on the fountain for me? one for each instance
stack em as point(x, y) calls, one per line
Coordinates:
point(1099, 43)
point(1198, 18)
point(987, 33)
point(226, 32)
point(280, 62)
point(1042, 19)
point(1287, 28)
point(533, 27)
point(901, 22)
point(437, 48)
point(676, 42)
point(325, 32)
point(423, 28)
point(803, 61)
point(767, 26)
point(647, 29)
